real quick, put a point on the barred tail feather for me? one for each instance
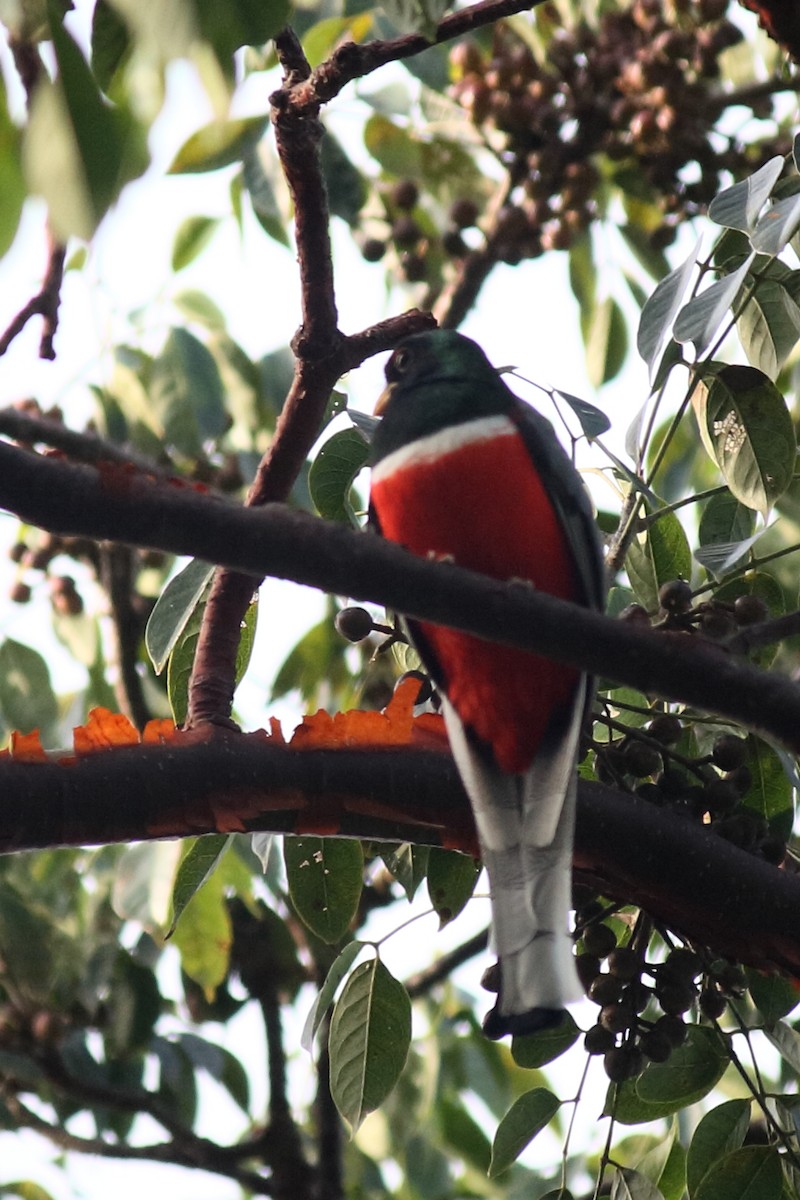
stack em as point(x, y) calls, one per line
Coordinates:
point(525, 825)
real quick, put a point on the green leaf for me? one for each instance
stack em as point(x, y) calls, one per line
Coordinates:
point(78, 150)
point(770, 793)
point(663, 1088)
point(725, 533)
point(786, 1041)
point(529, 1115)
point(134, 1005)
point(665, 1165)
point(173, 610)
point(656, 556)
point(451, 882)
point(751, 1173)
point(318, 660)
point(220, 1064)
point(769, 324)
point(239, 23)
point(181, 660)
point(111, 43)
point(462, 1133)
point(777, 226)
point(219, 144)
point(408, 864)
point(339, 968)
point(658, 314)
point(192, 237)
point(344, 182)
point(737, 207)
point(12, 184)
point(592, 419)
point(369, 1041)
point(204, 935)
point(200, 861)
point(773, 995)
point(720, 1131)
point(537, 1049)
point(628, 1184)
point(606, 342)
point(27, 700)
point(698, 321)
point(333, 471)
point(197, 306)
point(416, 16)
point(261, 174)
point(325, 877)
point(392, 147)
point(747, 430)
point(186, 393)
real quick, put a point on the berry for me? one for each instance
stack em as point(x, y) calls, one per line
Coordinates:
point(414, 267)
point(20, 593)
point(453, 244)
point(624, 963)
point(599, 940)
point(588, 968)
point(354, 623)
point(720, 796)
point(373, 250)
point(616, 1018)
point(676, 596)
point(749, 610)
point(641, 759)
point(665, 728)
point(598, 1040)
point(673, 1029)
point(605, 990)
point(729, 752)
point(712, 1003)
point(655, 1045)
point(623, 1062)
point(405, 233)
point(717, 623)
point(17, 552)
point(405, 194)
point(464, 212)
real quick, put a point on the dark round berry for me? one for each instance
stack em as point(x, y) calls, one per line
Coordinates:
point(624, 964)
point(354, 623)
point(675, 998)
point(731, 980)
point(673, 1029)
point(741, 779)
point(464, 212)
point(405, 194)
point(634, 614)
point(605, 989)
point(749, 610)
point(712, 1003)
point(598, 1040)
point(665, 728)
point(373, 250)
point(682, 963)
point(425, 686)
point(414, 267)
point(641, 759)
point(655, 1045)
point(673, 784)
point(729, 752)
point(588, 968)
point(617, 1018)
point(720, 796)
point(717, 623)
point(20, 593)
point(675, 596)
point(623, 1062)
point(453, 244)
point(17, 552)
point(599, 940)
point(405, 233)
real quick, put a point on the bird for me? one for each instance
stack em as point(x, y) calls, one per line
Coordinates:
point(463, 470)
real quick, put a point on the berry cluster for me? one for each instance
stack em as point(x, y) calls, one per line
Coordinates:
point(632, 99)
point(417, 246)
point(630, 1031)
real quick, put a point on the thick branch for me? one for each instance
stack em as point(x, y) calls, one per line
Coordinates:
point(679, 871)
point(290, 545)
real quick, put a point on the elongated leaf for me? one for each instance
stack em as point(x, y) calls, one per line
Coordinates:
point(451, 882)
point(725, 533)
point(173, 609)
point(770, 791)
point(632, 1185)
point(408, 864)
point(594, 421)
point(777, 226)
point(529, 1115)
point(773, 995)
point(537, 1049)
point(14, 190)
point(325, 877)
point(186, 393)
point(204, 935)
point(769, 325)
point(218, 144)
point(698, 321)
point(344, 182)
point(336, 974)
point(192, 237)
point(333, 471)
point(220, 1064)
point(786, 1041)
point(737, 207)
point(746, 428)
point(261, 174)
point(606, 342)
point(27, 699)
point(663, 1088)
point(751, 1173)
point(201, 860)
point(369, 1040)
point(720, 1131)
point(658, 314)
point(655, 557)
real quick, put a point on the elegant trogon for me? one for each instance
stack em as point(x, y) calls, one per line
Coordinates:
point(465, 471)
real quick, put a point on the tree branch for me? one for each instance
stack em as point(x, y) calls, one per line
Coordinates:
point(680, 871)
point(277, 541)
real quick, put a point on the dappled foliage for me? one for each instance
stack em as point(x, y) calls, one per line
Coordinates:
point(134, 976)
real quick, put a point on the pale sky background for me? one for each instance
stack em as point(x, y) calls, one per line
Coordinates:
point(526, 316)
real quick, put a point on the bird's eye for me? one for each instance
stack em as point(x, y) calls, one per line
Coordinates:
point(401, 361)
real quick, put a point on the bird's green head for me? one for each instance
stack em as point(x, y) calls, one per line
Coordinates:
point(434, 380)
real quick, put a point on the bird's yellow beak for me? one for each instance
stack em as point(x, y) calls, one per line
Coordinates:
point(383, 400)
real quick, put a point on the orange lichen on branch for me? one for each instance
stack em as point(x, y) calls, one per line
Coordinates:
point(392, 727)
point(26, 747)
